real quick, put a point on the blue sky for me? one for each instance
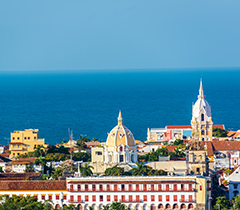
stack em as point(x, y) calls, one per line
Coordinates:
point(123, 34)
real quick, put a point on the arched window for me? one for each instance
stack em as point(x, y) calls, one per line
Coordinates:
point(202, 117)
point(121, 149)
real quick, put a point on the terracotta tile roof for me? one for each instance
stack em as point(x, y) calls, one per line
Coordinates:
point(226, 145)
point(23, 161)
point(33, 185)
point(92, 144)
point(5, 155)
point(231, 133)
point(190, 127)
point(16, 143)
point(170, 148)
point(19, 176)
point(210, 149)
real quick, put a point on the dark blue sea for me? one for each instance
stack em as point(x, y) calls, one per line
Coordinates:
point(88, 103)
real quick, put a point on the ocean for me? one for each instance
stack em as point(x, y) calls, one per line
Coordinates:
point(88, 103)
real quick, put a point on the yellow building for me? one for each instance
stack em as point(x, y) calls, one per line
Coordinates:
point(201, 118)
point(23, 142)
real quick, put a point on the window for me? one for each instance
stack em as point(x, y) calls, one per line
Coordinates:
point(36, 196)
point(79, 187)
point(79, 198)
point(190, 198)
point(152, 187)
point(152, 197)
point(28, 137)
point(50, 197)
point(123, 198)
point(202, 117)
point(203, 132)
point(159, 198)
point(98, 153)
point(86, 198)
point(175, 197)
point(94, 198)
point(101, 197)
point(57, 197)
point(100, 187)
point(71, 187)
point(25, 138)
point(200, 187)
point(18, 138)
point(190, 187)
point(137, 198)
point(28, 145)
point(93, 187)
point(145, 198)
point(86, 187)
point(198, 170)
point(167, 198)
point(35, 137)
point(121, 158)
point(115, 198)
point(182, 198)
point(43, 197)
point(108, 198)
point(71, 198)
point(121, 149)
point(123, 186)
point(13, 138)
point(235, 186)
point(108, 187)
point(64, 197)
point(167, 187)
point(18, 153)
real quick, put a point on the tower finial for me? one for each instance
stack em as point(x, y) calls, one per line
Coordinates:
point(120, 118)
point(201, 95)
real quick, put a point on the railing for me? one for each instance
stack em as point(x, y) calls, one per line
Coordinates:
point(187, 201)
point(131, 201)
point(75, 201)
point(144, 190)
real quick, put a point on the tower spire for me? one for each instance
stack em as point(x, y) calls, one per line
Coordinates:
point(201, 95)
point(120, 118)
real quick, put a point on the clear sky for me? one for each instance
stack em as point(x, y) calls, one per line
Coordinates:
point(118, 34)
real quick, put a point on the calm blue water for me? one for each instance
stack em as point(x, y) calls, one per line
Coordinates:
point(88, 103)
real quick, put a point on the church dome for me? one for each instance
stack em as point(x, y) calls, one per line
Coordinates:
point(201, 106)
point(120, 135)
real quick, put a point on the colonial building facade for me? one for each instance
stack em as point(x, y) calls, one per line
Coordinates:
point(140, 193)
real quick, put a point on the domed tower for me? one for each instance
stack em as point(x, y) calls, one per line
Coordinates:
point(201, 118)
point(120, 145)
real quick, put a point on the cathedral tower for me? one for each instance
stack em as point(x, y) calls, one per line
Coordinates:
point(201, 118)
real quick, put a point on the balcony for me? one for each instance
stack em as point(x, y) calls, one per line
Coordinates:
point(131, 201)
point(187, 201)
point(144, 190)
point(75, 201)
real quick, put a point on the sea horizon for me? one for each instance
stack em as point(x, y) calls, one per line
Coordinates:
point(88, 102)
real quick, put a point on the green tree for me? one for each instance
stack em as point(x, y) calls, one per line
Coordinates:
point(57, 156)
point(56, 173)
point(70, 207)
point(29, 167)
point(29, 203)
point(94, 139)
point(114, 171)
point(236, 202)
point(218, 132)
point(177, 142)
point(223, 202)
point(1, 169)
point(84, 156)
point(140, 170)
point(86, 170)
point(117, 206)
point(39, 150)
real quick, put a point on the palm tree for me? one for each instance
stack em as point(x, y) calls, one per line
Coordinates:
point(140, 170)
point(39, 150)
point(29, 168)
point(94, 139)
point(86, 170)
point(56, 173)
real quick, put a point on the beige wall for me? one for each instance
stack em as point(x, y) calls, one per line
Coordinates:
point(27, 140)
point(97, 154)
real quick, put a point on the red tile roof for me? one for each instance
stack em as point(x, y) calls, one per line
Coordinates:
point(33, 185)
point(22, 161)
point(190, 127)
point(16, 143)
point(170, 148)
point(19, 176)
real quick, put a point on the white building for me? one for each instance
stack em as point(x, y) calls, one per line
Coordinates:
point(145, 193)
point(234, 183)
